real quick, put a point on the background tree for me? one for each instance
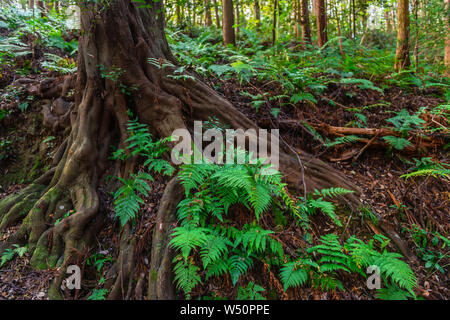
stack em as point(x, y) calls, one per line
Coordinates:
point(304, 21)
point(447, 38)
point(216, 11)
point(321, 22)
point(228, 22)
point(402, 60)
point(208, 19)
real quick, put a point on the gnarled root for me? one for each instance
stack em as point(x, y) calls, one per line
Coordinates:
point(160, 284)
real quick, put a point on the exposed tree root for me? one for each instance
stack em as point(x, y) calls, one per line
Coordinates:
point(160, 284)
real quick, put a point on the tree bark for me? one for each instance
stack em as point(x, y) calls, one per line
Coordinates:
point(402, 60)
point(275, 22)
point(321, 18)
point(304, 22)
point(237, 17)
point(257, 12)
point(208, 20)
point(354, 18)
point(178, 14)
point(228, 22)
point(447, 38)
point(216, 10)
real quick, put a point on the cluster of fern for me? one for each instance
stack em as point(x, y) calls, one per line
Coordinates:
point(320, 265)
point(208, 242)
point(128, 197)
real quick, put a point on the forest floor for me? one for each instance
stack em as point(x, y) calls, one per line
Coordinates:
point(373, 167)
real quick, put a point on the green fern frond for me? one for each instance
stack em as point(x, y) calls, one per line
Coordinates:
point(187, 238)
point(186, 275)
point(292, 275)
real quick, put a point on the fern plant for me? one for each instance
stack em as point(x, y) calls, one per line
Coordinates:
point(210, 190)
point(9, 254)
point(128, 197)
point(428, 167)
point(251, 292)
point(321, 265)
point(316, 201)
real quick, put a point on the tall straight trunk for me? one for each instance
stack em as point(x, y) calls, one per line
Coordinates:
point(387, 17)
point(304, 22)
point(354, 18)
point(31, 4)
point(237, 17)
point(194, 13)
point(416, 31)
point(350, 36)
point(321, 18)
point(178, 14)
point(257, 10)
point(275, 24)
point(296, 11)
point(338, 23)
point(208, 20)
point(229, 36)
point(447, 38)
point(402, 60)
point(216, 10)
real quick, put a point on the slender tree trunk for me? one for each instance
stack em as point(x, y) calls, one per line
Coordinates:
point(237, 17)
point(354, 18)
point(31, 4)
point(178, 14)
point(350, 36)
point(275, 22)
point(321, 18)
point(338, 23)
point(402, 60)
point(296, 11)
point(257, 11)
point(416, 26)
point(304, 22)
point(228, 22)
point(447, 38)
point(216, 10)
point(208, 20)
point(387, 17)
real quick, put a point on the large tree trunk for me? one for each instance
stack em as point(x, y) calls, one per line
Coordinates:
point(124, 36)
point(321, 18)
point(228, 22)
point(402, 60)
